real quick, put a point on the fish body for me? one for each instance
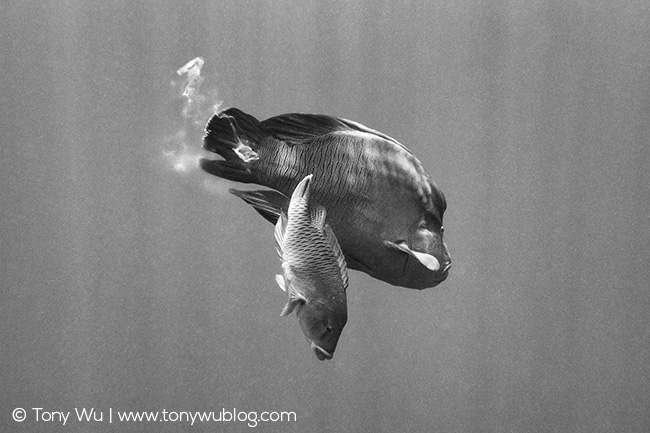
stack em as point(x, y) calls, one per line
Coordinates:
point(314, 273)
point(386, 212)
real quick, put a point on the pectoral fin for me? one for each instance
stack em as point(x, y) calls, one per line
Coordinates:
point(427, 260)
point(296, 299)
point(293, 302)
point(280, 280)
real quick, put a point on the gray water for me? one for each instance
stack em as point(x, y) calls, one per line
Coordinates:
point(129, 286)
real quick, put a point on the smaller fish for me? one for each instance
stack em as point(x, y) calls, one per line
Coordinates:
point(314, 272)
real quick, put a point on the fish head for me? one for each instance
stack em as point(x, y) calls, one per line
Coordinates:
point(322, 315)
point(427, 257)
point(322, 322)
point(429, 260)
point(426, 242)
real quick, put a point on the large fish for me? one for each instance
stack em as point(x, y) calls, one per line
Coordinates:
point(314, 274)
point(385, 210)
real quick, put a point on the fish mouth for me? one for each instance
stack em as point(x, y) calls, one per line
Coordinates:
point(321, 353)
point(441, 275)
point(437, 272)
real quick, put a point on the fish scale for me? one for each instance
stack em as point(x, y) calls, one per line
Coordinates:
point(305, 246)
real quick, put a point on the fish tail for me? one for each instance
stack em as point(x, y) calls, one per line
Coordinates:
point(235, 136)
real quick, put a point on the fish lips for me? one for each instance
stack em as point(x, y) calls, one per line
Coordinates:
point(422, 277)
point(321, 353)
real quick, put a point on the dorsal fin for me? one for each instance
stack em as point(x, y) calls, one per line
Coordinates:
point(318, 215)
point(338, 253)
point(300, 128)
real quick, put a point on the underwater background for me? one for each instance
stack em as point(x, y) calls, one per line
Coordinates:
point(132, 281)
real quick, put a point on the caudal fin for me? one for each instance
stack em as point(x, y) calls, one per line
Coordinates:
point(235, 136)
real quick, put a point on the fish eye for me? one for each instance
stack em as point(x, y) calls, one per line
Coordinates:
point(442, 229)
point(328, 328)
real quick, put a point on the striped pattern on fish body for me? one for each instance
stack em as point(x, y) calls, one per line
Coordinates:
point(307, 244)
point(385, 210)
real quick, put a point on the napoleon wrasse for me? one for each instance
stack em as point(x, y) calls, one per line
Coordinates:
point(382, 206)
